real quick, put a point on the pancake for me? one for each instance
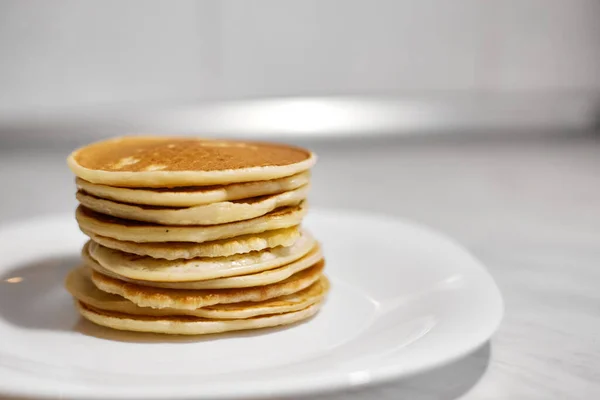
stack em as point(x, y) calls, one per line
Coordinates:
point(208, 214)
point(186, 325)
point(145, 296)
point(79, 284)
point(196, 269)
point(123, 229)
point(242, 281)
point(218, 248)
point(195, 195)
point(139, 161)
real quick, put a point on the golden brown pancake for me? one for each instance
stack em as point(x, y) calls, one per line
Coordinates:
point(195, 236)
point(187, 325)
point(206, 214)
point(135, 231)
point(261, 278)
point(79, 284)
point(145, 296)
point(219, 248)
point(139, 161)
point(195, 195)
point(198, 269)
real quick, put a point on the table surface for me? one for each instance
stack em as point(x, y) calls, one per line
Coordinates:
point(529, 209)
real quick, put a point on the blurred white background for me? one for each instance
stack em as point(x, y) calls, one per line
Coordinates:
point(71, 58)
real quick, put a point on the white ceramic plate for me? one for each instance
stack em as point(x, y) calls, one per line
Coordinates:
point(404, 299)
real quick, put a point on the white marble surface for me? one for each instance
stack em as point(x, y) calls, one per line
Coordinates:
point(530, 210)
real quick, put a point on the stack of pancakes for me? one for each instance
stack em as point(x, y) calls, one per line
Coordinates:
point(194, 236)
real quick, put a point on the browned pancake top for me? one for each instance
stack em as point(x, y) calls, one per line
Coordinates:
point(144, 154)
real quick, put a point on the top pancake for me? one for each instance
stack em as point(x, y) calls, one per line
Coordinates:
point(139, 161)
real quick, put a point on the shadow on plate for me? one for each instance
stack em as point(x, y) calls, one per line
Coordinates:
point(33, 296)
point(448, 382)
